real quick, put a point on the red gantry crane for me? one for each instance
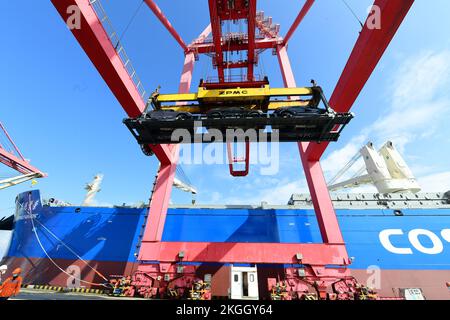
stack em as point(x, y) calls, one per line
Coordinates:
point(11, 156)
point(163, 264)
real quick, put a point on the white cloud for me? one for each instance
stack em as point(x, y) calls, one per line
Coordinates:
point(282, 193)
point(438, 182)
point(339, 158)
point(419, 98)
point(421, 78)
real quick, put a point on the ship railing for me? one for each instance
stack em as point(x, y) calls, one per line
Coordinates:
point(115, 40)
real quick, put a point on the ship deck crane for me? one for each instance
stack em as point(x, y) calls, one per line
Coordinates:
point(162, 263)
point(386, 170)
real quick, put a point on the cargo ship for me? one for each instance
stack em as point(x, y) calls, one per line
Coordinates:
point(399, 244)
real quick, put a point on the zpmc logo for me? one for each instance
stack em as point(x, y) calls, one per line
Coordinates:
point(234, 92)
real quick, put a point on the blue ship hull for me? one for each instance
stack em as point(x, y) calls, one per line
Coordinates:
point(408, 251)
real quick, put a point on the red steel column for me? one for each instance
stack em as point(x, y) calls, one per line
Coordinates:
point(164, 182)
point(251, 39)
point(368, 50)
point(217, 38)
point(302, 14)
point(160, 15)
point(95, 42)
point(323, 207)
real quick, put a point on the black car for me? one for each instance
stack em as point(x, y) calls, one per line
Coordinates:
point(168, 115)
point(233, 113)
point(297, 112)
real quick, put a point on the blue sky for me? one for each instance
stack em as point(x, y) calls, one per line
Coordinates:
point(66, 121)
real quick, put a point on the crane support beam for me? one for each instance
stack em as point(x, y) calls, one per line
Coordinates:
point(160, 15)
point(202, 37)
point(166, 174)
point(368, 50)
point(6, 183)
point(216, 28)
point(302, 14)
point(209, 47)
point(95, 42)
point(251, 38)
point(18, 164)
point(2, 128)
point(223, 252)
point(323, 207)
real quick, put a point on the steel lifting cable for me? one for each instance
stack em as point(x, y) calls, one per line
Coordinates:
point(129, 23)
point(353, 13)
point(345, 168)
point(68, 248)
point(359, 172)
point(180, 174)
point(7, 145)
point(50, 258)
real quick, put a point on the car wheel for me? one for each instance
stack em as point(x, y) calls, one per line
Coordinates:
point(253, 114)
point(182, 116)
point(286, 114)
point(215, 115)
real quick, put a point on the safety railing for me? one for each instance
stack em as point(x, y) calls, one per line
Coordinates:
point(233, 78)
point(115, 40)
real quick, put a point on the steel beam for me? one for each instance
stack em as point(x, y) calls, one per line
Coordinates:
point(237, 65)
point(323, 207)
point(216, 28)
point(368, 50)
point(159, 204)
point(209, 47)
point(163, 185)
point(166, 174)
point(95, 41)
point(202, 37)
point(303, 12)
point(2, 128)
point(226, 252)
point(160, 15)
point(6, 183)
point(251, 28)
point(18, 164)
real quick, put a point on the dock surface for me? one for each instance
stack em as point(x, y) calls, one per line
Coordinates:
point(34, 294)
